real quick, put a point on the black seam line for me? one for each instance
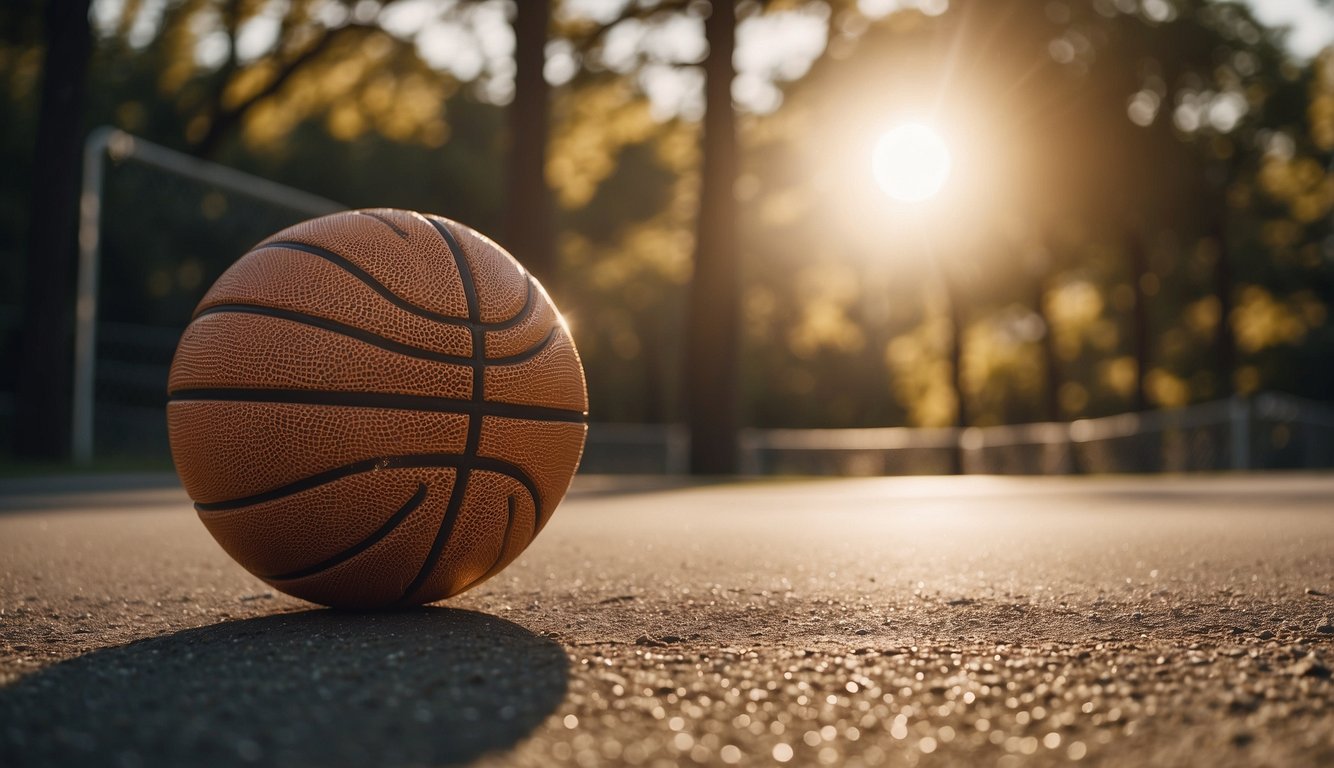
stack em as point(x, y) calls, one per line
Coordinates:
point(521, 315)
point(387, 400)
point(461, 262)
point(385, 221)
point(365, 277)
point(465, 269)
point(529, 353)
point(341, 329)
point(474, 438)
point(504, 546)
point(478, 336)
point(361, 546)
point(441, 536)
point(404, 461)
point(375, 339)
point(347, 266)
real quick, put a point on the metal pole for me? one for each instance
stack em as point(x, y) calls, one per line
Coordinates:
point(85, 306)
point(148, 153)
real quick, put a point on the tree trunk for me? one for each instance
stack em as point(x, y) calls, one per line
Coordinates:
point(209, 145)
point(1050, 364)
point(1139, 332)
point(957, 322)
point(529, 229)
point(42, 393)
point(712, 333)
point(1225, 343)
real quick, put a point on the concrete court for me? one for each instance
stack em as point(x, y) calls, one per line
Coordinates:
point(977, 621)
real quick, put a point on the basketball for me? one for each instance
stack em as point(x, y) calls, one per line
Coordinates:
point(376, 408)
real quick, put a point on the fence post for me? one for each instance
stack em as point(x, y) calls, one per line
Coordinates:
point(85, 305)
point(1239, 429)
point(677, 460)
point(748, 448)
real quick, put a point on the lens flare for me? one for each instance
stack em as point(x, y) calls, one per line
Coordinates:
point(911, 163)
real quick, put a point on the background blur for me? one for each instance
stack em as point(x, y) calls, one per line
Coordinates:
point(1133, 258)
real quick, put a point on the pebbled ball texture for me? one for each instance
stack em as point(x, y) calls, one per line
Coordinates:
point(376, 408)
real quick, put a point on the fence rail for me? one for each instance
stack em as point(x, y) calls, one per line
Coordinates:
point(1270, 430)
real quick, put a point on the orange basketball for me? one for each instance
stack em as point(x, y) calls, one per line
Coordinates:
point(376, 408)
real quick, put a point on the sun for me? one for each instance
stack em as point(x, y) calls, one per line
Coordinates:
point(911, 163)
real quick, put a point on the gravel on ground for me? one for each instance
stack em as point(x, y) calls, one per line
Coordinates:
point(972, 621)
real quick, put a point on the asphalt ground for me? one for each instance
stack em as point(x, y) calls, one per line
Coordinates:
point(973, 621)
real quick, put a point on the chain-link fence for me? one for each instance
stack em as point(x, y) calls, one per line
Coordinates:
point(157, 228)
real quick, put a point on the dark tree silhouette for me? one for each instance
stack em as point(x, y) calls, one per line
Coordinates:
point(529, 231)
point(1051, 364)
point(1225, 341)
point(958, 321)
point(1138, 259)
point(712, 335)
point(225, 120)
point(42, 393)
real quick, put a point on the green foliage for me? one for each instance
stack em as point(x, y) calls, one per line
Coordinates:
point(1077, 127)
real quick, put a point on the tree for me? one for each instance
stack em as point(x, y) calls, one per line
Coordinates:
point(529, 231)
point(42, 396)
point(712, 328)
point(355, 64)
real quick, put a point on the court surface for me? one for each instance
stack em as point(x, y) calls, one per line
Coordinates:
point(972, 621)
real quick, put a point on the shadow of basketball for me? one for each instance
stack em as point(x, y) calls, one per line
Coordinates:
point(429, 686)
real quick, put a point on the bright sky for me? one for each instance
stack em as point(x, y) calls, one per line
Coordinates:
point(771, 48)
point(1312, 27)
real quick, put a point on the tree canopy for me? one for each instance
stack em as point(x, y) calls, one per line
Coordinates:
point(1157, 171)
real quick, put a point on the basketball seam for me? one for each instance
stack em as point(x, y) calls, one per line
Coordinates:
point(465, 270)
point(386, 400)
point(388, 223)
point(504, 547)
point(459, 492)
point(526, 355)
point(365, 277)
point(361, 546)
point(521, 315)
point(376, 340)
point(348, 266)
point(399, 461)
point(334, 326)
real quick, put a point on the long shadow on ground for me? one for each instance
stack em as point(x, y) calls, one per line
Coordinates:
point(429, 686)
